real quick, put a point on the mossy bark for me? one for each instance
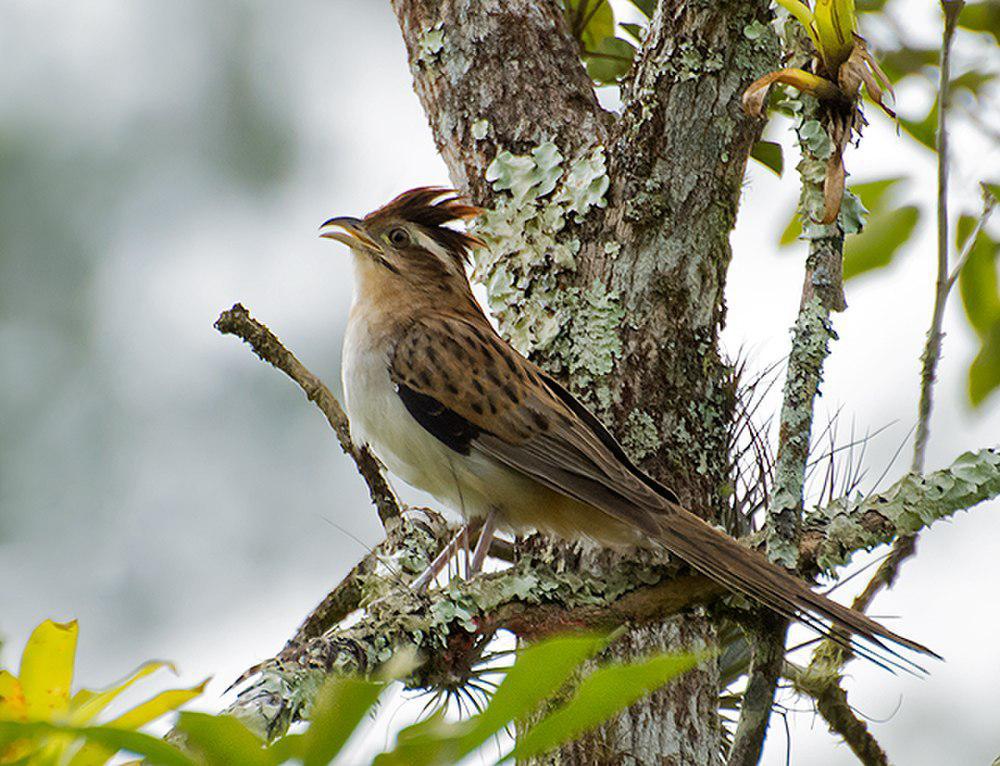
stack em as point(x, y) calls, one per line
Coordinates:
point(625, 301)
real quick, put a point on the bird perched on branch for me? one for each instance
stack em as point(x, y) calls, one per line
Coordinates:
point(453, 410)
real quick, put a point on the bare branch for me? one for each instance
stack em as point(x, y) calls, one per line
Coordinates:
point(932, 351)
point(237, 321)
point(989, 205)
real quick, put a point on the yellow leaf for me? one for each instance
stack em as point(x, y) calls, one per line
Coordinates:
point(87, 705)
point(807, 82)
point(92, 754)
point(47, 669)
point(159, 705)
point(12, 706)
point(835, 22)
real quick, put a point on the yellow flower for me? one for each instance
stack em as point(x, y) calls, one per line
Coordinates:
point(41, 693)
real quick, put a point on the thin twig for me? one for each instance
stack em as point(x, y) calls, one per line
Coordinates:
point(932, 351)
point(237, 321)
point(989, 205)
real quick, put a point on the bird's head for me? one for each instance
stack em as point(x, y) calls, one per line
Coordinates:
point(408, 239)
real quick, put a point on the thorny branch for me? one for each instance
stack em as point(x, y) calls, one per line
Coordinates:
point(532, 598)
point(237, 321)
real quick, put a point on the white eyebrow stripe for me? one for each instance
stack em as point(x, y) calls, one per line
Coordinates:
point(430, 244)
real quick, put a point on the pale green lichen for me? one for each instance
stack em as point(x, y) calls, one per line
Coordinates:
point(530, 243)
point(480, 128)
point(612, 248)
point(909, 505)
point(642, 437)
point(811, 338)
point(431, 42)
point(756, 30)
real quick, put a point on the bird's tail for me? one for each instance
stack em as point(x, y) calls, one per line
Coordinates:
point(746, 571)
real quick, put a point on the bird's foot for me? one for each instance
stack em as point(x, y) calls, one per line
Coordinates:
point(459, 542)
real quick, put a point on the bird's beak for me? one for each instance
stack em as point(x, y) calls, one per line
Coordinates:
point(350, 231)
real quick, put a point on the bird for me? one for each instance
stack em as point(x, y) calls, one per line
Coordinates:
point(452, 409)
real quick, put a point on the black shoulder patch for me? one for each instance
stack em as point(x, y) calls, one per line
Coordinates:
point(446, 425)
point(607, 439)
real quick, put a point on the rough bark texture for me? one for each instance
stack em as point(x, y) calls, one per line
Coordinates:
point(618, 291)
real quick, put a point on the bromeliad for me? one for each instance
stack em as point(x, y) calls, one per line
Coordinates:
point(841, 65)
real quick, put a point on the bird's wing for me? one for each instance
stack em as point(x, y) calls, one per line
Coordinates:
point(472, 391)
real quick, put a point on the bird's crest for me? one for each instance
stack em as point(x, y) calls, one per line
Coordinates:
point(432, 207)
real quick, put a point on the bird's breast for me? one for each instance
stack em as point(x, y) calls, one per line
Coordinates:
point(380, 420)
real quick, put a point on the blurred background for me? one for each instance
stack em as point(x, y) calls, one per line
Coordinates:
point(161, 161)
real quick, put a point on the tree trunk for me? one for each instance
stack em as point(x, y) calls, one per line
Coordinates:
point(609, 245)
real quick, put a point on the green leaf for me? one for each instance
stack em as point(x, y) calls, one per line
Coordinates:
point(610, 60)
point(906, 61)
point(426, 743)
point(977, 282)
point(924, 130)
point(981, 17)
point(601, 695)
point(973, 81)
point(791, 232)
point(154, 751)
point(339, 708)
point(883, 235)
point(984, 372)
point(590, 21)
point(222, 740)
point(770, 155)
point(539, 672)
point(646, 6)
point(638, 31)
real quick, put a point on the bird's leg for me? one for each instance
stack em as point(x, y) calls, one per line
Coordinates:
point(483, 544)
point(441, 560)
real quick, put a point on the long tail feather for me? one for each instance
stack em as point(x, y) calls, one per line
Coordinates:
point(746, 571)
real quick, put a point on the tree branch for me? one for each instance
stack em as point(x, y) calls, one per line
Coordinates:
point(237, 321)
point(932, 351)
point(451, 628)
point(822, 294)
point(538, 596)
point(831, 534)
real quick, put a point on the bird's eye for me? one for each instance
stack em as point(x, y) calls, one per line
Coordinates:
point(399, 237)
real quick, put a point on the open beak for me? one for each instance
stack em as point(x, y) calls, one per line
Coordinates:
point(350, 231)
